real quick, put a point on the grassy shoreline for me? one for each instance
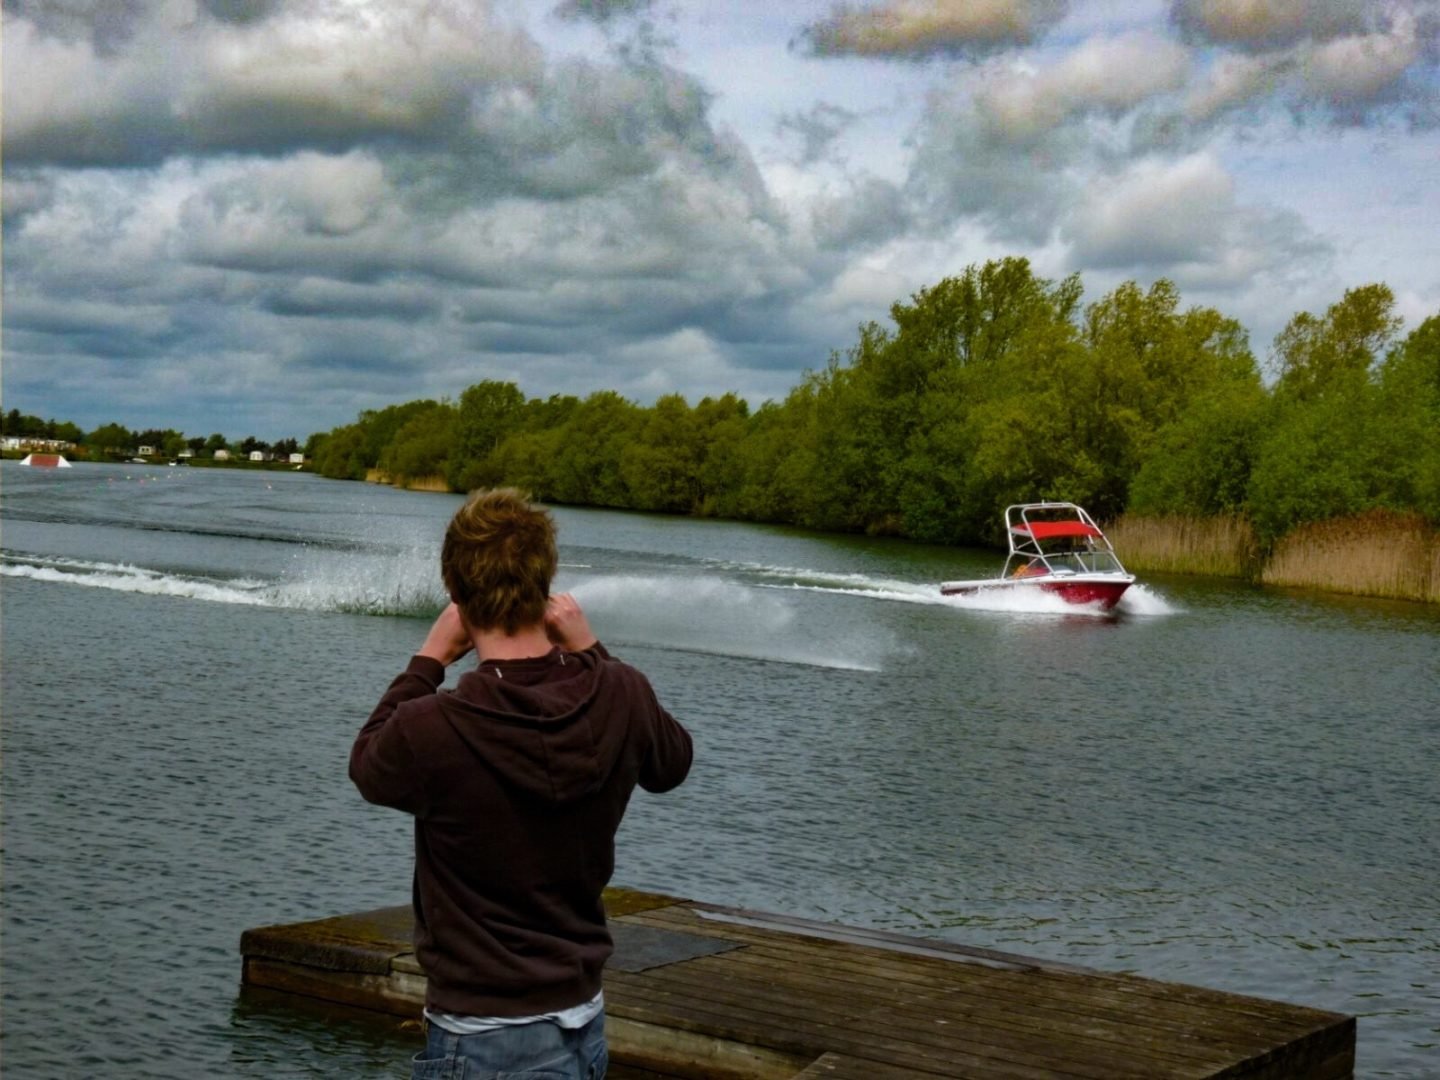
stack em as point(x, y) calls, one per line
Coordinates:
point(1381, 553)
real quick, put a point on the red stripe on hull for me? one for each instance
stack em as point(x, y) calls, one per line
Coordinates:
point(1105, 593)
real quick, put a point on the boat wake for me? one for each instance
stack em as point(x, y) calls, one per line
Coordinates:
point(740, 611)
point(365, 587)
point(123, 577)
point(710, 615)
point(721, 617)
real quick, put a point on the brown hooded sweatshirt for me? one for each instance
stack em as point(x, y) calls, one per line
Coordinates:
point(517, 780)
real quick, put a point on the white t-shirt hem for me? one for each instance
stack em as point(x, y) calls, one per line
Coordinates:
point(577, 1016)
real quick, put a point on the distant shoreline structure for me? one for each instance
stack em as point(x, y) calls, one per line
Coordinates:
point(46, 461)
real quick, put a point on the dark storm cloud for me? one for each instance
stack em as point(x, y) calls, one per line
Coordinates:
point(327, 299)
point(105, 24)
point(240, 11)
point(398, 74)
point(868, 212)
point(816, 130)
point(602, 11)
point(917, 29)
point(394, 236)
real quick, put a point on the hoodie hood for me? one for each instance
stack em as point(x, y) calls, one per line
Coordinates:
point(530, 722)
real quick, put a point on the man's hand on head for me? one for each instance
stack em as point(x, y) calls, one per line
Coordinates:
point(448, 639)
point(566, 625)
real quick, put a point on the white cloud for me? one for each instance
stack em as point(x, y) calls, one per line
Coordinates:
point(1181, 219)
point(1349, 78)
point(1365, 67)
point(1111, 75)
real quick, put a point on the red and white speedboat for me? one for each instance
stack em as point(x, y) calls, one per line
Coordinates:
point(1055, 547)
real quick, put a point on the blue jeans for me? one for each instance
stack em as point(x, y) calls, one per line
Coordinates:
point(538, 1051)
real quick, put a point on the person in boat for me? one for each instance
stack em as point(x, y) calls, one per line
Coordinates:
point(1029, 568)
point(517, 779)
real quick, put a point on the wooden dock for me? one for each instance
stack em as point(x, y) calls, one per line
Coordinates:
point(696, 990)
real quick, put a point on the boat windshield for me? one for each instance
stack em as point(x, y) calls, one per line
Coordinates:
point(1084, 562)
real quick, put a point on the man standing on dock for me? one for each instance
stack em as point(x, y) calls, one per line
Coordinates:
point(517, 780)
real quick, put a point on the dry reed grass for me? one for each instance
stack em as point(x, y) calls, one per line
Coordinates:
point(426, 483)
point(435, 482)
point(1218, 546)
point(1380, 553)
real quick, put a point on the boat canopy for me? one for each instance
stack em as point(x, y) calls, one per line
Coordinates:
point(1047, 530)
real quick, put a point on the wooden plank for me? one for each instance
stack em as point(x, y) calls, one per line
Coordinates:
point(801, 1036)
point(906, 1000)
point(366, 941)
point(898, 943)
point(839, 1067)
point(401, 996)
point(1226, 1034)
point(637, 1042)
point(934, 1020)
point(1128, 992)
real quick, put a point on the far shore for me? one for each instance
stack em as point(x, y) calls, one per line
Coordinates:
point(1381, 554)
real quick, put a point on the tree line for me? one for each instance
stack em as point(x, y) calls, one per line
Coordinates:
point(116, 440)
point(991, 387)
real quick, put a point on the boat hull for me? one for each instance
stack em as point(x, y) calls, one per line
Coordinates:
point(1103, 592)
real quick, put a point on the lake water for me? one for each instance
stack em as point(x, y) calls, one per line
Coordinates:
point(1218, 785)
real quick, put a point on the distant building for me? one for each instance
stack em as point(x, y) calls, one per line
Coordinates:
point(259, 455)
point(297, 459)
point(186, 453)
point(27, 442)
point(222, 455)
point(146, 451)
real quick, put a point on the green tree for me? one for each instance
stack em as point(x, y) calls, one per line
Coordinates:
point(1409, 425)
point(585, 469)
point(1200, 462)
point(1149, 363)
point(1328, 448)
point(378, 427)
point(773, 464)
point(422, 445)
point(111, 439)
point(340, 455)
point(487, 413)
point(1340, 349)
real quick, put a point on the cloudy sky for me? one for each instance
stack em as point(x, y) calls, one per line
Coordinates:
point(262, 216)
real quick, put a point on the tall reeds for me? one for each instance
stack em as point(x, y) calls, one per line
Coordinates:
point(435, 482)
point(1381, 553)
point(1219, 546)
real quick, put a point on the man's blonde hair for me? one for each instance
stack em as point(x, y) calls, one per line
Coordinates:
point(498, 559)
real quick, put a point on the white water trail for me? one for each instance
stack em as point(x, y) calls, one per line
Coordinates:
point(721, 617)
point(1142, 600)
point(366, 585)
point(122, 577)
